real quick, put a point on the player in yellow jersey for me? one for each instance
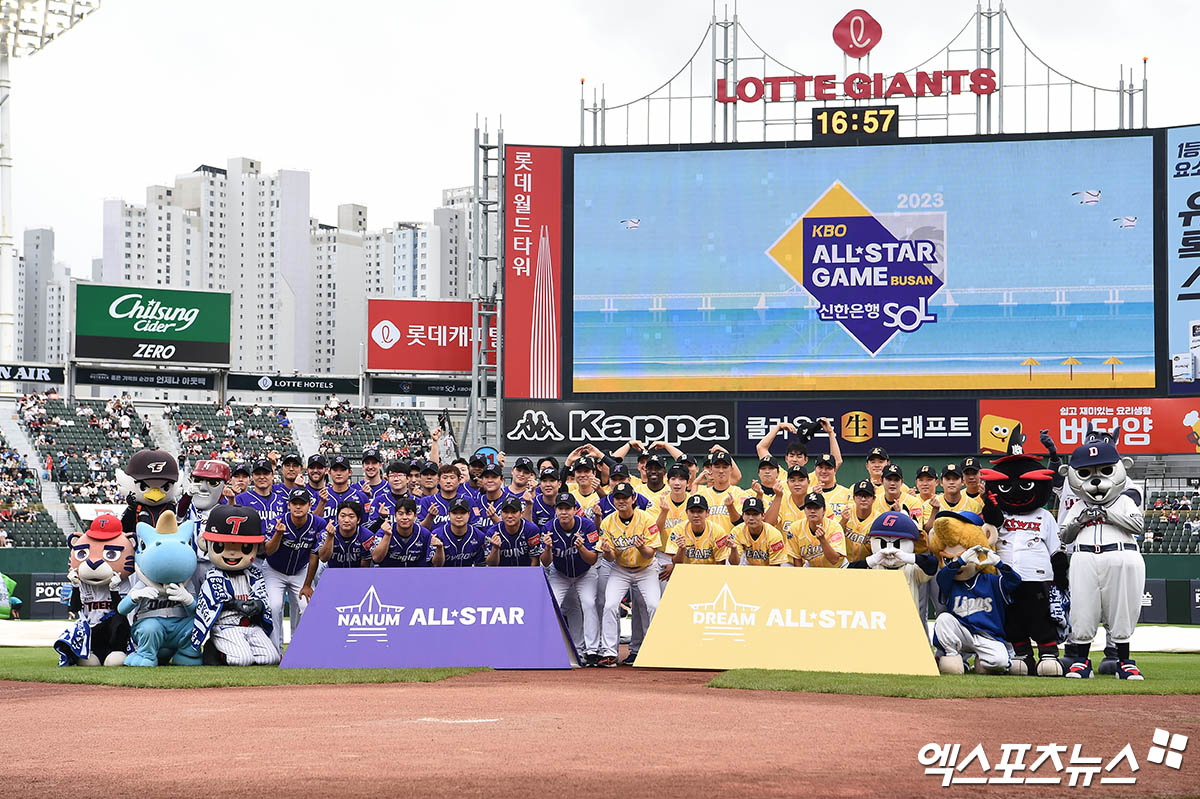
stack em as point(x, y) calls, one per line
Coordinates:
point(797, 449)
point(627, 539)
point(768, 479)
point(893, 496)
point(856, 521)
point(878, 460)
point(837, 497)
point(698, 540)
point(655, 484)
point(787, 508)
point(754, 541)
point(672, 505)
point(818, 540)
point(587, 484)
point(926, 482)
point(972, 485)
point(952, 498)
point(724, 498)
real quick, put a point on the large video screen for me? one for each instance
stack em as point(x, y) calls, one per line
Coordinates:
point(1022, 264)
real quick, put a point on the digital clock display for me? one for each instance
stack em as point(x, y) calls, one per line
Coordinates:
point(841, 124)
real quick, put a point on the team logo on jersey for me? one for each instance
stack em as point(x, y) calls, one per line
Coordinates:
point(534, 425)
point(872, 274)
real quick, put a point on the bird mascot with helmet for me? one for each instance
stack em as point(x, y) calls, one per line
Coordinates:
point(150, 484)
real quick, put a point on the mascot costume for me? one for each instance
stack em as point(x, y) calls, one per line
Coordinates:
point(977, 588)
point(100, 563)
point(1026, 539)
point(233, 603)
point(159, 605)
point(202, 492)
point(150, 484)
point(1107, 574)
point(893, 538)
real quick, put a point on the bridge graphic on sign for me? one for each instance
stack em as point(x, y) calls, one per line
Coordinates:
point(724, 617)
point(369, 620)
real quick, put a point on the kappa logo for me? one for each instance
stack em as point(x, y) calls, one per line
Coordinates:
point(534, 425)
point(724, 617)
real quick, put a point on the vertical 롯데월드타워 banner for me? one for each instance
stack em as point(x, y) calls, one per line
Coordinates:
point(151, 325)
point(533, 288)
point(1183, 257)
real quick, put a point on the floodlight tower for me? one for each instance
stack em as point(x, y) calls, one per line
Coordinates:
point(26, 26)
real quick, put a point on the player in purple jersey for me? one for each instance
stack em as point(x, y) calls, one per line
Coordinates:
point(317, 485)
point(373, 483)
point(514, 540)
point(605, 506)
point(347, 543)
point(524, 478)
point(340, 488)
point(569, 553)
point(293, 544)
point(403, 542)
point(435, 510)
point(262, 495)
point(426, 482)
point(541, 510)
point(395, 489)
point(464, 545)
point(290, 469)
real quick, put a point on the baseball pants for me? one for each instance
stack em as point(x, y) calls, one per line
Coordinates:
point(1106, 587)
point(640, 619)
point(583, 588)
point(571, 612)
point(620, 580)
point(953, 637)
point(282, 586)
point(245, 646)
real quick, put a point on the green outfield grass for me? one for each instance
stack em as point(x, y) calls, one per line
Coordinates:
point(1165, 674)
point(41, 665)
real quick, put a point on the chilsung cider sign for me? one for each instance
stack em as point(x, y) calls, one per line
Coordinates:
point(144, 325)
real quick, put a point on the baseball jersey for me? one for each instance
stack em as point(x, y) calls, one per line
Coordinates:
point(710, 545)
point(836, 498)
point(269, 508)
point(567, 559)
point(586, 502)
point(806, 548)
point(470, 491)
point(442, 507)
point(857, 540)
point(96, 601)
point(904, 489)
point(717, 511)
point(621, 534)
point(352, 494)
point(411, 550)
point(1066, 500)
point(768, 549)
point(543, 509)
point(1105, 533)
point(676, 516)
point(297, 544)
point(386, 499)
point(467, 550)
point(607, 507)
point(373, 492)
point(965, 503)
point(981, 602)
point(349, 552)
point(515, 548)
point(1025, 543)
point(645, 491)
point(314, 492)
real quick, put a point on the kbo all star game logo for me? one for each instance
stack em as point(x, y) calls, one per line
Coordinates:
point(872, 274)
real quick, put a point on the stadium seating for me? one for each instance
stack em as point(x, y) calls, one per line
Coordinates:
point(351, 430)
point(233, 432)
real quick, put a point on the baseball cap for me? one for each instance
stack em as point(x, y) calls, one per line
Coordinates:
point(826, 460)
point(696, 501)
point(370, 453)
point(623, 490)
point(655, 462)
point(814, 498)
point(233, 523)
point(240, 468)
point(212, 470)
point(969, 465)
point(460, 503)
point(679, 470)
point(293, 457)
point(768, 462)
point(892, 470)
point(585, 463)
point(952, 470)
point(894, 524)
point(104, 527)
point(317, 460)
point(398, 467)
point(686, 460)
point(565, 498)
point(927, 471)
point(962, 515)
point(878, 452)
point(752, 505)
point(797, 471)
point(620, 470)
point(511, 502)
point(339, 462)
point(1094, 453)
point(492, 468)
point(477, 460)
point(721, 457)
point(525, 464)
point(863, 487)
point(299, 495)
point(262, 465)
point(549, 473)
point(429, 467)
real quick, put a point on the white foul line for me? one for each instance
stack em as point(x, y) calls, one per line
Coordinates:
point(458, 721)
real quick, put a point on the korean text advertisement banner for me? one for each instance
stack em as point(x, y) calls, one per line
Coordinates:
point(533, 272)
point(419, 335)
point(1183, 257)
point(151, 325)
point(1161, 426)
point(956, 265)
point(714, 617)
point(902, 427)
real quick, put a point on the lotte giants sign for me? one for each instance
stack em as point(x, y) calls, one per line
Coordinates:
point(533, 272)
point(420, 336)
point(857, 33)
point(1164, 426)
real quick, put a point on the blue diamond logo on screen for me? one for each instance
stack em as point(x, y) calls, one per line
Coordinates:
point(872, 274)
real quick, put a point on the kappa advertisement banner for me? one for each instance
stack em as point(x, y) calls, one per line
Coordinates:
point(557, 428)
point(533, 288)
point(1160, 426)
point(838, 620)
point(151, 326)
point(1183, 257)
point(420, 335)
point(503, 618)
point(902, 427)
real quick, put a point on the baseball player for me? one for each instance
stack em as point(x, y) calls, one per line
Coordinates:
point(318, 484)
point(627, 542)
point(373, 483)
point(755, 542)
point(892, 495)
point(402, 542)
point(542, 510)
point(605, 506)
point(464, 544)
point(587, 482)
point(523, 477)
point(435, 508)
point(492, 495)
point(654, 485)
point(787, 507)
point(347, 543)
point(723, 497)
point(239, 481)
point(514, 540)
point(569, 555)
point(972, 486)
point(837, 497)
point(294, 541)
point(396, 489)
point(856, 522)
point(290, 469)
point(952, 498)
point(262, 496)
point(818, 540)
point(699, 540)
point(340, 488)
point(427, 483)
point(926, 482)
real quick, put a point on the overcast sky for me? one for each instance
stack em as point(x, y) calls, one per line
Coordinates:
point(378, 99)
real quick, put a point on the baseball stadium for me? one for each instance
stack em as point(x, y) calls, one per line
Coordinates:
point(459, 507)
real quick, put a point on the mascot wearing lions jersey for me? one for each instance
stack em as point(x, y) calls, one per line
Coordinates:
point(1107, 573)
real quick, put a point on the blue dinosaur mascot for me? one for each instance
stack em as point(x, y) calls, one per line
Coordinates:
point(160, 606)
